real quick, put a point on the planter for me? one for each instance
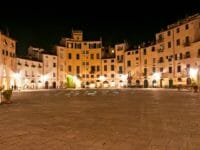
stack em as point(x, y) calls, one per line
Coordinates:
point(195, 88)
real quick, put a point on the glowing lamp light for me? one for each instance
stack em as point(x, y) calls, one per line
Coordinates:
point(156, 76)
point(44, 78)
point(123, 77)
point(77, 82)
point(102, 78)
point(193, 72)
point(17, 76)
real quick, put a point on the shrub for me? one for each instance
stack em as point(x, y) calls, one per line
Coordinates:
point(7, 94)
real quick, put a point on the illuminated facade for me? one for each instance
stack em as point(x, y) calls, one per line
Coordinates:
point(7, 61)
point(79, 59)
point(167, 62)
point(172, 59)
point(38, 70)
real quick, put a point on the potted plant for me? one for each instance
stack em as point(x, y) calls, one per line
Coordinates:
point(195, 87)
point(1, 89)
point(7, 96)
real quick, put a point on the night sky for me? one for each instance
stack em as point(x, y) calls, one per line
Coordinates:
point(43, 25)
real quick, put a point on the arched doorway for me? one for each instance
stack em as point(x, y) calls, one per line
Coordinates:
point(137, 82)
point(161, 83)
point(146, 84)
point(54, 85)
point(154, 83)
point(170, 83)
point(188, 81)
point(46, 84)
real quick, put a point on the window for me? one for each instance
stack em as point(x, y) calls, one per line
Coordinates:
point(92, 56)
point(54, 65)
point(136, 52)
point(120, 70)
point(6, 53)
point(187, 55)
point(78, 69)
point(78, 45)
point(98, 56)
point(112, 60)
point(169, 33)
point(187, 39)
point(181, 56)
point(144, 51)
point(77, 56)
point(69, 68)
point(186, 26)
point(160, 37)
point(92, 69)
point(153, 69)
point(69, 56)
point(98, 68)
point(105, 68)
point(161, 48)
point(170, 69)
point(145, 71)
point(128, 53)
point(153, 49)
point(161, 60)
point(112, 68)
point(3, 52)
point(161, 69)
point(92, 76)
point(137, 58)
point(169, 45)
point(178, 68)
point(129, 63)
point(112, 75)
point(178, 42)
point(177, 30)
point(105, 61)
point(5, 42)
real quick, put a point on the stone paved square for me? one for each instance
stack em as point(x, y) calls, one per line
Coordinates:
point(96, 119)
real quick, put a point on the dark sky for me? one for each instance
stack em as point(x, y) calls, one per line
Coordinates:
point(43, 24)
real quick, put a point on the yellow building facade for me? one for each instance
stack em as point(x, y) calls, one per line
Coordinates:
point(79, 60)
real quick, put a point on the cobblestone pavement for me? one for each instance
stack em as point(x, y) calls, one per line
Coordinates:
point(127, 119)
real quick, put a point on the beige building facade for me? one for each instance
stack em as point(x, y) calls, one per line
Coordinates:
point(172, 60)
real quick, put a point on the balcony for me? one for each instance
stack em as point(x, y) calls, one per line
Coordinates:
point(160, 40)
point(120, 61)
point(185, 44)
point(187, 56)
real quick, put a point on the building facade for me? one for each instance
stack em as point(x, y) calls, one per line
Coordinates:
point(29, 74)
point(7, 61)
point(79, 61)
point(172, 60)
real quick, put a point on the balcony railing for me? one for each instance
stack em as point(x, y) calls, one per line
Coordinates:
point(160, 40)
point(185, 44)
